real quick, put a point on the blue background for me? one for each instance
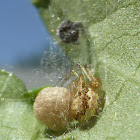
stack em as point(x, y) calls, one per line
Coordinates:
point(22, 33)
point(26, 48)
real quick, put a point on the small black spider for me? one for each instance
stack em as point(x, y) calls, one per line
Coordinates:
point(68, 31)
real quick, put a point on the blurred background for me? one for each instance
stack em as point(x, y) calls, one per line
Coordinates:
point(26, 48)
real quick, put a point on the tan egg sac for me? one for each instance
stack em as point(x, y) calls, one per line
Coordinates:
point(52, 107)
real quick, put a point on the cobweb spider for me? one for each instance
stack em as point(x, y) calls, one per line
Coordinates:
point(85, 95)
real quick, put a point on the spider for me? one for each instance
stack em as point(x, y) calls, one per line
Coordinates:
point(58, 106)
point(85, 101)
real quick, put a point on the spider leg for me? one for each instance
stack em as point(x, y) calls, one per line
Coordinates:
point(75, 73)
point(91, 75)
point(94, 82)
point(85, 72)
point(81, 81)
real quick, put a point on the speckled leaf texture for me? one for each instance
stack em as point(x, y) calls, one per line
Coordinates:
point(17, 121)
point(112, 47)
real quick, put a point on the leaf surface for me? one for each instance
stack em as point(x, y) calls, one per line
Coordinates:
point(112, 49)
point(17, 120)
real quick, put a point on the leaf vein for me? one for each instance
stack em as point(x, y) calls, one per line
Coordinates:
point(115, 38)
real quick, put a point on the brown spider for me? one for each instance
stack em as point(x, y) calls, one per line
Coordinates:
point(58, 106)
point(85, 102)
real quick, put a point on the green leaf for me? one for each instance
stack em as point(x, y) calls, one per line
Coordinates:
point(112, 49)
point(17, 120)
